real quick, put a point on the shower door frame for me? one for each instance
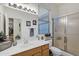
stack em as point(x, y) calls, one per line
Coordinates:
point(65, 35)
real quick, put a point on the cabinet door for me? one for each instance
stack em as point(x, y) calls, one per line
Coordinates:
point(45, 52)
point(37, 54)
point(45, 47)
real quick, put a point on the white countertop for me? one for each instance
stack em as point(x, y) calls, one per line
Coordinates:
point(24, 47)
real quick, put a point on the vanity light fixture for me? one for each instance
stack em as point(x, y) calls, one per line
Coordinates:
point(21, 7)
point(25, 9)
point(29, 10)
point(14, 5)
point(9, 4)
point(32, 11)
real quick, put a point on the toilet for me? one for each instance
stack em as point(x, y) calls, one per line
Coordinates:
point(55, 51)
point(58, 52)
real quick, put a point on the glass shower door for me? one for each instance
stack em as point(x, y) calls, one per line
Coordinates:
point(73, 34)
point(60, 33)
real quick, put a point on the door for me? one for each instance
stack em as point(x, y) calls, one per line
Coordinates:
point(59, 32)
point(73, 34)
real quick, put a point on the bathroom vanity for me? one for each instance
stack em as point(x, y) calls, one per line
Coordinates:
point(38, 51)
point(34, 48)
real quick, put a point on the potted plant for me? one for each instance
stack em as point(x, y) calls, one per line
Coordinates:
point(2, 36)
point(17, 37)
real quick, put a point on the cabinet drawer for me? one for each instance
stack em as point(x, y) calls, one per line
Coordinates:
point(25, 53)
point(38, 54)
point(29, 52)
point(45, 46)
point(46, 52)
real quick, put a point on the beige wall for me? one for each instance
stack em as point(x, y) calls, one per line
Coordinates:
point(68, 8)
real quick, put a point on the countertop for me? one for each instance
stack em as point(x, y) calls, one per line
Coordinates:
point(24, 47)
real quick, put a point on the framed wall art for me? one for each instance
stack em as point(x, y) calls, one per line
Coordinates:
point(34, 22)
point(31, 32)
point(28, 23)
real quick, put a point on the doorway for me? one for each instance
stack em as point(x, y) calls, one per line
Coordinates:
point(11, 29)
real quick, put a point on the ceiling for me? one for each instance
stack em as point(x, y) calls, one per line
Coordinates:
point(43, 8)
point(42, 12)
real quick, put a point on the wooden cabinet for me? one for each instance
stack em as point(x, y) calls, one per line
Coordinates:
point(37, 54)
point(38, 51)
point(45, 50)
point(45, 47)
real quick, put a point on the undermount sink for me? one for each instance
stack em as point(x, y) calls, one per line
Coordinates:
point(5, 45)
